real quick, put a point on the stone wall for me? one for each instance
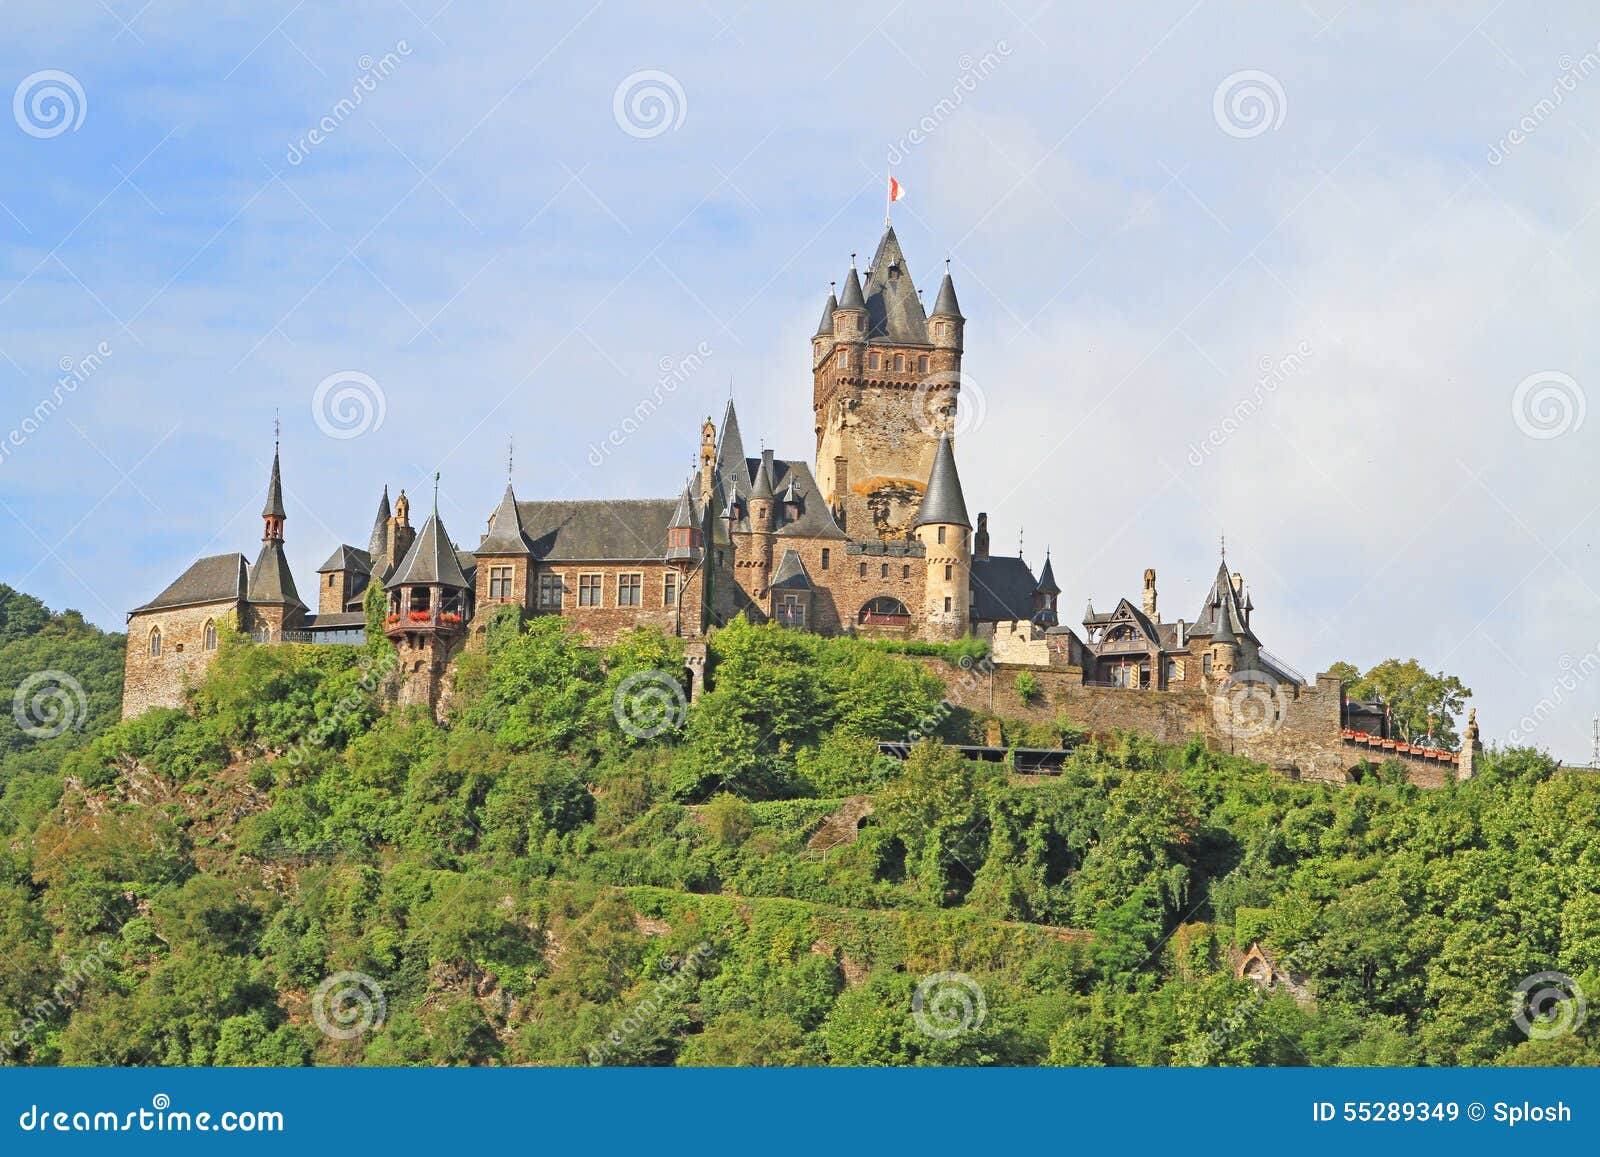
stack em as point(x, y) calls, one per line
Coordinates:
point(159, 681)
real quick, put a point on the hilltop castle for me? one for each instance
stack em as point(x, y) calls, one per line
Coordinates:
point(873, 537)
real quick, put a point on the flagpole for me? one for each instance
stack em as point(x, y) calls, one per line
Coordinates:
point(888, 196)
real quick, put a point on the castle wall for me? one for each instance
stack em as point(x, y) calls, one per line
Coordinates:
point(150, 681)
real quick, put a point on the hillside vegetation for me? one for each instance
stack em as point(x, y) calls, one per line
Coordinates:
point(574, 871)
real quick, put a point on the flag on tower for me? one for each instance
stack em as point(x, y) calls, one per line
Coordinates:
point(897, 191)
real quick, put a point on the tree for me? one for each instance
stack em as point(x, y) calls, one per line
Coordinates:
point(1414, 697)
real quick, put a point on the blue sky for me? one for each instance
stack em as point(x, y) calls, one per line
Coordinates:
point(1345, 319)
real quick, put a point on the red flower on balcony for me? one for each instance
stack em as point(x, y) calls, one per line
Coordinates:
point(419, 616)
point(452, 619)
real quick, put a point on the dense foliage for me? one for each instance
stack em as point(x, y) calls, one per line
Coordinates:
point(534, 882)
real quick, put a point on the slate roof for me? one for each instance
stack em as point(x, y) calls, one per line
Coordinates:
point(1002, 589)
point(216, 579)
point(347, 557)
point(1221, 610)
point(599, 530)
point(894, 311)
point(851, 298)
point(506, 535)
point(432, 560)
point(274, 506)
point(943, 501)
point(380, 526)
point(270, 580)
point(336, 621)
point(946, 305)
point(815, 521)
point(1047, 578)
point(825, 326)
point(791, 574)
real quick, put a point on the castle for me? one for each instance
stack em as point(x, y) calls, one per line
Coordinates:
point(872, 538)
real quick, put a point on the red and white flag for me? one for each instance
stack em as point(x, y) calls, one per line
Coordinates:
point(897, 191)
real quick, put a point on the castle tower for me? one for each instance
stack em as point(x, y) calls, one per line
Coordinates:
point(884, 387)
point(1471, 745)
point(505, 557)
point(430, 603)
point(1150, 594)
point(1045, 594)
point(943, 529)
point(1224, 645)
point(708, 460)
point(763, 521)
point(397, 534)
point(271, 598)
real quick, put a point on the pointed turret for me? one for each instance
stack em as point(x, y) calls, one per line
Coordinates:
point(272, 514)
point(684, 536)
point(431, 561)
point(894, 310)
point(852, 298)
point(762, 486)
point(506, 535)
point(731, 464)
point(825, 326)
point(943, 501)
point(380, 527)
point(946, 305)
point(1047, 578)
point(270, 582)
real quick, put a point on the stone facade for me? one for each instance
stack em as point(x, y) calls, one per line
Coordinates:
point(158, 676)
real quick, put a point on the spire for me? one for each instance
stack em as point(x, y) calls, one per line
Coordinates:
point(763, 483)
point(380, 526)
point(506, 535)
point(825, 326)
point(1047, 578)
point(943, 501)
point(272, 514)
point(852, 297)
point(894, 311)
point(946, 305)
point(730, 450)
point(683, 514)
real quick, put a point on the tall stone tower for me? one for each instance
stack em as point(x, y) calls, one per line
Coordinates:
point(886, 379)
point(944, 530)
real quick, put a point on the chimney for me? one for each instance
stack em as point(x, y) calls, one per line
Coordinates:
point(1238, 583)
point(1150, 594)
point(980, 538)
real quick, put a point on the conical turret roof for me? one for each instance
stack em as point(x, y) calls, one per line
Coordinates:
point(506, 535)
point(943, 502)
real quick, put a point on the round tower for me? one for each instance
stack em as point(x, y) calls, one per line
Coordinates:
point(945, 532)
point(947, 328)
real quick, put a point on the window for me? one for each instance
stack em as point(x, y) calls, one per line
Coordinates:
point(947, 602)
point(500, 582)
point(628, 589)
point(825, 557)
point(948, 571)
point(588, 590)
point(792, 611)
point(863, 570)
point(872, 361)
point(905, 571)
point(883, 570)
point(1205, 664)
point(669, 589)
point(899, 362)
point(941, 536)
point(208, 638)
point(550, 592)
point(922, 364)
point(155, 642)
point(844, 359)
point(330, 580)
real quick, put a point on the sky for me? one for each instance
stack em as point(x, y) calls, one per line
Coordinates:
point(1317, 279)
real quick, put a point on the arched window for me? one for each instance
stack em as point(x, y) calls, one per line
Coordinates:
point(209, 637)
point(885, 611)
point(155, 642)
